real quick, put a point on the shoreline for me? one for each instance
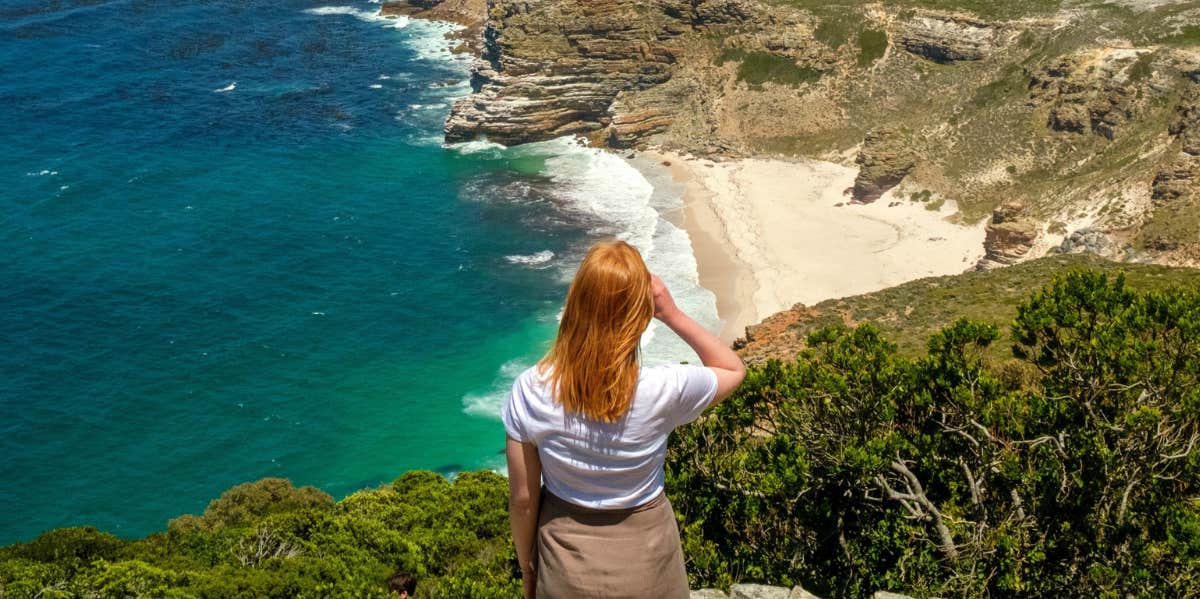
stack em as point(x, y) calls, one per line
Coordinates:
point(768, 234)
point(719, 268)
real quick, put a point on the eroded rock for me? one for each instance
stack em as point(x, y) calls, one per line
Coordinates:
point(558, 68)
point(1186, 126)
point(1009, 236)
point(1088, 92)
point(885, 159)
point(948, 38)
point(464, 12)
point(1179, 180)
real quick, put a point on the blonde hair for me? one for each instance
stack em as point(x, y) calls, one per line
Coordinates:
point(595, 355)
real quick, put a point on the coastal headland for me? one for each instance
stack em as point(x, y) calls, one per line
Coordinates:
point(833, 150)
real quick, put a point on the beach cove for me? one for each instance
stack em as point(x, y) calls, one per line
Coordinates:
point(768, 234)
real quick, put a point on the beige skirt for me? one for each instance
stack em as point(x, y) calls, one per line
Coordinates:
point(627, 554)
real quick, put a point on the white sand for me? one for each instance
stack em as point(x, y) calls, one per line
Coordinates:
point(768, 234)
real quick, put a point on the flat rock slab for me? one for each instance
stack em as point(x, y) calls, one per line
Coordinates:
point(758, 591)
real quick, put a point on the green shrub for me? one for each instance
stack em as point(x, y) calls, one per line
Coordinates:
point(872, 45)
point(757, 68)
point(246, 502)
point(852, 468)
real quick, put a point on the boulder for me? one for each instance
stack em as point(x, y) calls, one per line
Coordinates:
point(798, 592)
point(885, 159)
point(758, 591)
point(708, 594)
point(1088, 241)
point(889, 595)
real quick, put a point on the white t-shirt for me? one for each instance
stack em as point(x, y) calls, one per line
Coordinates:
point(608, 465)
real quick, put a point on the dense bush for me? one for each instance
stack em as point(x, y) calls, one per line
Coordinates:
point(1073, 471)
point(1070, 469)
point(270, 539)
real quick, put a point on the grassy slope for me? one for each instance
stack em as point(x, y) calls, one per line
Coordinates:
point(910, 313)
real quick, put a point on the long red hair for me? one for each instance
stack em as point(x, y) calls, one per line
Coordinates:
point(595, 356)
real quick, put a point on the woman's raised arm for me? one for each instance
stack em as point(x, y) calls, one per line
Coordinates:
point(727, 365)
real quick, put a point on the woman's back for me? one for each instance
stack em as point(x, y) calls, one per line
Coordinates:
point(605, 465)
point(591, 424)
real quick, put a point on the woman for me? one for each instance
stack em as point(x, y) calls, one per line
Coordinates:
point(592, 424)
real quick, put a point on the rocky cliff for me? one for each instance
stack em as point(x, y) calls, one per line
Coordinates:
point(560, 68)
point(1082, 113)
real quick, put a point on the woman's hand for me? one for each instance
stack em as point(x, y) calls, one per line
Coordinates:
point(664, 304)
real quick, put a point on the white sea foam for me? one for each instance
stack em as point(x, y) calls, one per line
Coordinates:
point(41, 173)
point(487, 403)
point(541, 257)
point(476, 146)
point(228, 88)
point(375, 86)
point(601, 186)
point(399, 22)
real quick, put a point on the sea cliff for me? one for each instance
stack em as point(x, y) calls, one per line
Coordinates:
point(1063, 128)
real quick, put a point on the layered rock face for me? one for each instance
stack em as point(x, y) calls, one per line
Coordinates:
point(949, 38)
point(885, 159)
point(559, 68)
point(1010, 236)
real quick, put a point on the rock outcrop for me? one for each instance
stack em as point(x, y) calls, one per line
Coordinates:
point(947, 38)
point(762, 591)
point(1089, 240)
point(1088, 92)
point(1186, 126)
point(885, 159)
point(1179, 180)
point(463, 12)
point(1010, 235)
point(560, 68)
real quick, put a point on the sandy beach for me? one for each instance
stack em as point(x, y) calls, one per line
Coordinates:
point(769, 234)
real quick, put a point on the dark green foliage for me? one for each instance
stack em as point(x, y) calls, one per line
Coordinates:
point(757, 68)
point(270, 539)
point(1073, 472)
point(872, 45)
point(249, 501)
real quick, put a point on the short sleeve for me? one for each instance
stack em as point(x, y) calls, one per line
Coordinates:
point(513, 410)
point(697, 388)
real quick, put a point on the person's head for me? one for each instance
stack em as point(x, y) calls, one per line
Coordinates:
point(595, 356)
point(402, 584)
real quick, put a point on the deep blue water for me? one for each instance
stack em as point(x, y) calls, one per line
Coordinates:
point(234, 247)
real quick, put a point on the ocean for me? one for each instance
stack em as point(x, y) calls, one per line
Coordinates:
point(235, 246)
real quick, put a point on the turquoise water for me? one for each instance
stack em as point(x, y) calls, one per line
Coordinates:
point(234, 247)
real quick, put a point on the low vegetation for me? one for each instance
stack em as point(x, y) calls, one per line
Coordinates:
point(1071, 471)
point(757, 68)
point(270, 539)
point(1070, 468)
